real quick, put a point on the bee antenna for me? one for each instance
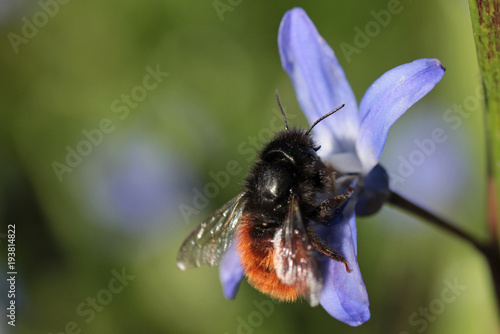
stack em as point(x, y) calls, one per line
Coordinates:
point(281, 108)
point(324, 116)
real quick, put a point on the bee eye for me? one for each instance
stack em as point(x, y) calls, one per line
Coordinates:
point(311, 151)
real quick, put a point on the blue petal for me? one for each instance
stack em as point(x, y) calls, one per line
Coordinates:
point(231, 272)
point(374, 192)
point(344, 294)
point(387, 99)
point(319, 82)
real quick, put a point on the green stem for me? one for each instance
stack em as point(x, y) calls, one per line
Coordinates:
point(485, 15)
point(489, 250)
point(402, 203)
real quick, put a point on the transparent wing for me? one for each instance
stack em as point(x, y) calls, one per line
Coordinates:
point(210, 240)
point(294, 259)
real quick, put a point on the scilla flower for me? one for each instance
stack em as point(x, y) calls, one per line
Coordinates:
point(351, 142)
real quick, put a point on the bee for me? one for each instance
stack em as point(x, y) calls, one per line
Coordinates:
point(287, 191)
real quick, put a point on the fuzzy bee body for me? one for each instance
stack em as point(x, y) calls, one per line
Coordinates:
point(287, 191)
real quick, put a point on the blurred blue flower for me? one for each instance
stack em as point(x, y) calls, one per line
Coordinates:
point(135, 186)
point(351, 142)
point(415, 156)
point(11, 10)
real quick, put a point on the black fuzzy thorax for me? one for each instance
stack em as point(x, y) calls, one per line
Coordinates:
point(287, 166)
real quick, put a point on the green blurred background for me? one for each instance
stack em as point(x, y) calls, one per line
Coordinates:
point(116, 209)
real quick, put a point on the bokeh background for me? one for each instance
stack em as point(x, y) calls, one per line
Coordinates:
point(120, 205)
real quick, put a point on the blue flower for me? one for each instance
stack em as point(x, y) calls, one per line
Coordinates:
point(351, 142)
point(134, 185)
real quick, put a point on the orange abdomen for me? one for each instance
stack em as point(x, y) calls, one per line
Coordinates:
point(257, 254)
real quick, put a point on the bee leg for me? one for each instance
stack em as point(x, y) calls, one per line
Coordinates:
point(323, 248)
point(328, 177)
point(331, 207)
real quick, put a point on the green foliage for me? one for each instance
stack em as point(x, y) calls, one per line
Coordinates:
point(219, 94)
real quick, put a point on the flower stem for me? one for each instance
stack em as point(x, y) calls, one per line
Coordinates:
point(485, 16)
point(489, 250)
point(403, 203)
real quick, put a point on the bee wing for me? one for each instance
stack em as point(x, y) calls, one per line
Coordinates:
point(210, 240)
point(294, 259)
